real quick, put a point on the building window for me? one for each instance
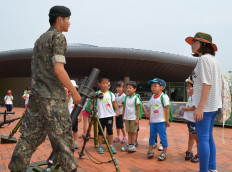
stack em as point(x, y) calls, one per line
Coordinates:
point(175, 90)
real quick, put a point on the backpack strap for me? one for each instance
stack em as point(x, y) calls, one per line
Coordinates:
point(110, 95)
point(125, 100)
point(136, 97)
point(162, 99)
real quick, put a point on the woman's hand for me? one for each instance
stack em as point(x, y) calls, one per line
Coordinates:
point(198, 114)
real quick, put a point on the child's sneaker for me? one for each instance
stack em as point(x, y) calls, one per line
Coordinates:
point(100, 150)
point(155, 145)
point(113, 149)
point(136, 143)
point(189, 155)
point(150, 154)
point(117, 139)
point(125, 148)
point(160, 148)
point(75, 145)
point(212, 171)
point(162, 156)
point(91, 137)
point(132, 148)
point(124, 140)
point(195, 159)
point(82, 136)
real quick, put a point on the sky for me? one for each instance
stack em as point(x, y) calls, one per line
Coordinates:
point(141, 24)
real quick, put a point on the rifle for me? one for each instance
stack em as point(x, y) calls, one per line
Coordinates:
point(5, 121)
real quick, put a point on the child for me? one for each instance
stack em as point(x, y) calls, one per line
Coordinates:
point(189, 116)
point(9, 101)
point(131, 116)
point(159, 117)
point(86, 119)
point(120, 96)
point(26, 96)
point(70, 109)
point(106, 113)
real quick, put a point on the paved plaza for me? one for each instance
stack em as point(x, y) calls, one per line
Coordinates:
point(131, 162)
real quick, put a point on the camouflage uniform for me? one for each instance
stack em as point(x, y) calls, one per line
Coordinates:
point(47, 112)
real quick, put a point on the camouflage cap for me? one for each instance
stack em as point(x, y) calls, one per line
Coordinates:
point(61, 11)
point(203, 37)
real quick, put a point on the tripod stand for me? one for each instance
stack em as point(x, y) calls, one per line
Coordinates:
point(95, 121)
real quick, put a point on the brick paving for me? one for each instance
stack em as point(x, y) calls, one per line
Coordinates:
point(131, 162)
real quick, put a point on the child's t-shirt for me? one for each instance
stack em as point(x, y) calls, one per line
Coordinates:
point(27, 98)
point(104, 105)
point(130, 108)
point(158, 113)
point(119, 99)
point(9, 99)
point(70, 105)
point(189, 115)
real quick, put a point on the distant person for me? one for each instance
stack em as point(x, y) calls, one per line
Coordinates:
point(26, 96)
point(131, 112)
point(47, 112)
point(70, 109)
point(106, 113)
point(189, 116)
point(8, 99)
point(159, 117)
point(85, 113)
point(25, 91)
point(207, 96)
point(120, 96)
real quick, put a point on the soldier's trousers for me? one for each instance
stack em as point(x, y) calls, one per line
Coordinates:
point(44, 117)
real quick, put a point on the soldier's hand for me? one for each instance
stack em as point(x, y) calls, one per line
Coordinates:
point(76, 98)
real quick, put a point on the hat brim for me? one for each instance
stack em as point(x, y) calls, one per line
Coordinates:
point(189, 40)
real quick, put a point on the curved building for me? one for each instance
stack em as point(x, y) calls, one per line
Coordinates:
point(116, 63)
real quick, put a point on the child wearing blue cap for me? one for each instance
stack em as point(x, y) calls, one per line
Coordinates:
point(159, 117)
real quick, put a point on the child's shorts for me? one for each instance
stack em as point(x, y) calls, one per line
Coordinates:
point(85, 113)
point(192, 127)
point(119, 122)
point(108, 123)
point(158, 128)
point(75, 127)
point(130, 126)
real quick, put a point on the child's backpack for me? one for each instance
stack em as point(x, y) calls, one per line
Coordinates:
point(140, 106)
point(170, 107)
point(87, 108)
point(224, 112)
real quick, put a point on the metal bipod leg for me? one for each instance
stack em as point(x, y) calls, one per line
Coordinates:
point(95, 120)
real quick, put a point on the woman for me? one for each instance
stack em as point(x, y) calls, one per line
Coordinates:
point(206, 97)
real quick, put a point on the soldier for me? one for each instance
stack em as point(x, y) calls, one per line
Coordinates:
point(47, 112)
